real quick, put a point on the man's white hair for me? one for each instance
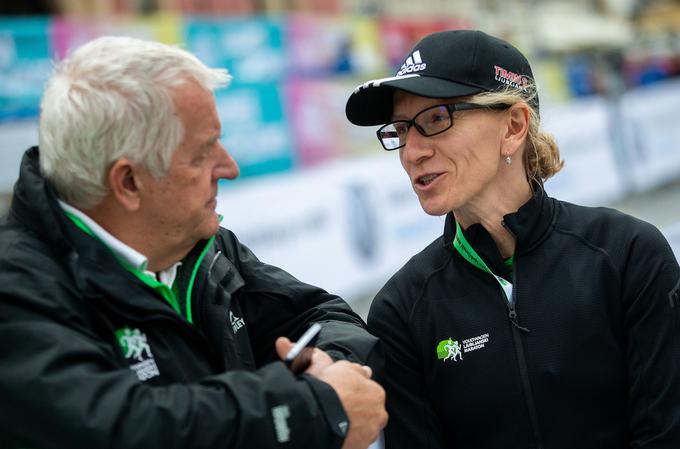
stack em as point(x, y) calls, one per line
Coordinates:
point(110, 99)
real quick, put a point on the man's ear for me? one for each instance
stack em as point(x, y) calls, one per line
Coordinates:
point(125, 183)
point(517, 127)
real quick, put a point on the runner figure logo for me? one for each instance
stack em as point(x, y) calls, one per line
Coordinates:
point(452, 350)
point(134, 344)
point(449, 350)
point(137, 351)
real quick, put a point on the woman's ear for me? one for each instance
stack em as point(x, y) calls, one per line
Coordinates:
point(517, 127)
point(125, 182)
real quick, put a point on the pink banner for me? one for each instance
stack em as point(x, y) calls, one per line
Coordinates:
point(316, 111)
point(329, 45)
point(70, 33)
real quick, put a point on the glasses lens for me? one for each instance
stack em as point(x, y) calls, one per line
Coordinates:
point(433, 120)
point(392, 135)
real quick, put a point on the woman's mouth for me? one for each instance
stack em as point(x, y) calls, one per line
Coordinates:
point(427, 179)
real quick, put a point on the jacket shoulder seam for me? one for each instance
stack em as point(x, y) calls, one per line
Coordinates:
point(590, 245)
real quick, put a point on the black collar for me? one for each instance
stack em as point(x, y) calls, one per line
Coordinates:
point(530, 225)
point(34, 203)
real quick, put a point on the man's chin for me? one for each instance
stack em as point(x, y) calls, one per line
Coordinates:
point(210, 227)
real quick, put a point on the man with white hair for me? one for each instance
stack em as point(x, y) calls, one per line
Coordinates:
point(128, 316)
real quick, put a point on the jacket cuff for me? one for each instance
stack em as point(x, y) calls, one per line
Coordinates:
point(332, 409)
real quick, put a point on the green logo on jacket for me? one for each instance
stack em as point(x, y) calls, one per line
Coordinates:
point(449, 350)
point(137, 351)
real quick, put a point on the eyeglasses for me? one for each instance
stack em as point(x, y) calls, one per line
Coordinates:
point(429, 122)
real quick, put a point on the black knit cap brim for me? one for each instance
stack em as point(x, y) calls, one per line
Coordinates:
point(369, 107)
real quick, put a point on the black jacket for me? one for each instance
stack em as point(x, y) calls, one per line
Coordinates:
point(588, 355)
point(91, 357)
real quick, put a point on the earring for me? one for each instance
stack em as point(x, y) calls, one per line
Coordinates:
point(508, 159)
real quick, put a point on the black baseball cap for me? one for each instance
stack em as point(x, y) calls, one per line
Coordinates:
point(446, 64)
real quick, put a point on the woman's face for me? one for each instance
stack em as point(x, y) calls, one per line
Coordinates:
point(451, 169)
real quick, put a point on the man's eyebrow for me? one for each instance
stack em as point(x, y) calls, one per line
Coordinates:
point(211, 140)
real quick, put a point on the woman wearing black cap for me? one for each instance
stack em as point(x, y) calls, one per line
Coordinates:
point(531, 322)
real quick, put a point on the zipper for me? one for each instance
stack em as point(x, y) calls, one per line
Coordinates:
point(521, 359)
point(212, 264)
point(512, 314)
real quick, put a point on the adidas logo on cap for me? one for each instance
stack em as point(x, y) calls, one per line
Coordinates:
point(414, 63)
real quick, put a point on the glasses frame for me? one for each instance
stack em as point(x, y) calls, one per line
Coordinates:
point(450, 107)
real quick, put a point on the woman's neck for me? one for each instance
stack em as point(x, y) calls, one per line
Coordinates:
point(490, 208)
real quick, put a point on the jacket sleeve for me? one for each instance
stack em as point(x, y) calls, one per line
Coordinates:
point(277, 304)
point(61, 387)
point(651, 299)
point(413, 423)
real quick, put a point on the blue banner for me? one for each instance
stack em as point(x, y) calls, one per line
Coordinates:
point(255, 129)
point(25, 65)
point(252, 49)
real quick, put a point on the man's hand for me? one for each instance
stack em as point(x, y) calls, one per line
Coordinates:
point(362, 398)
point(320, 360)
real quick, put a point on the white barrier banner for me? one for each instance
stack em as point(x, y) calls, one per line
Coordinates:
point(17, 137)
point(590, 175)
point(652, 135)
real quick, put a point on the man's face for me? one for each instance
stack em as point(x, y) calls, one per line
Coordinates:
point(180, 206)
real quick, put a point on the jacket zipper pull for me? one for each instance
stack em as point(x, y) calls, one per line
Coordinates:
point(512, 314)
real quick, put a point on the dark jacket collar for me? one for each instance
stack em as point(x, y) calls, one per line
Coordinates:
point(35, 206)
point(530, 225)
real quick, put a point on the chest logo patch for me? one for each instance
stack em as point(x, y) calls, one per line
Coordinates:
point(449, 350)
point(453, 350)
point(137, 351)
point(236, 322)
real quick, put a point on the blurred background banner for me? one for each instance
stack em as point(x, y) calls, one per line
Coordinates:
point(328, 46)
point(25, 52)
point(583, 129)
point(651, 129)
point(70, 32)
point(318, 196)
point(255, 128)
point(251, 48)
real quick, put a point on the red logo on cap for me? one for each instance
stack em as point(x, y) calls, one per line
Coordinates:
point(510, 78)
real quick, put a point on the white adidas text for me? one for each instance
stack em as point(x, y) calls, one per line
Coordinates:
point(414, 63)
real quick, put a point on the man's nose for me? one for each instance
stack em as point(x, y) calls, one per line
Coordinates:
point(227, 168)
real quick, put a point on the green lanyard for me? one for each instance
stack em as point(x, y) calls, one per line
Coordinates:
point(464, 249)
